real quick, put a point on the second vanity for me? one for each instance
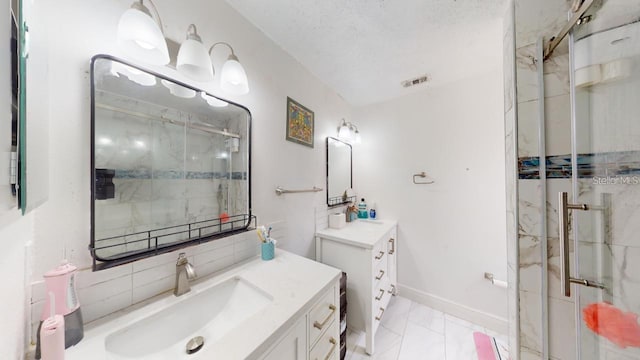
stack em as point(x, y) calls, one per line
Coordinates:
point(366, 251)
point(286, 308)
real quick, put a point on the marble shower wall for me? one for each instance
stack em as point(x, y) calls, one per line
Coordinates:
point(166, 175)
point(511, 173)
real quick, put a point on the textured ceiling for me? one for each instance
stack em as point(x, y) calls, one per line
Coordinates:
point(363, 49)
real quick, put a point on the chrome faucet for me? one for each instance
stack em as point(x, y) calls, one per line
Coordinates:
point(184, 273)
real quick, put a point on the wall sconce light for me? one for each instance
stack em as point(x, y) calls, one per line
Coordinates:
point(233, 78)
point(193, 58)
point(348, 132)
point(141, 36)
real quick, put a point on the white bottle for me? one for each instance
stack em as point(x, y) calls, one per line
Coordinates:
point(52, 334)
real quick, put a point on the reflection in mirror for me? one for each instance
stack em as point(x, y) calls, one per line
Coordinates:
point(170, 163)
point(338, 172)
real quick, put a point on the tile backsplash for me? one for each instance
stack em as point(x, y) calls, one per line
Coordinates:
point(104, 292)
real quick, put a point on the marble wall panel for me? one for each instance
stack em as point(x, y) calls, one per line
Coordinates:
point(529, 208)
point(530, 321)
point(201, 151)
point(556, 74)
point(528, 129)
point(168, 144)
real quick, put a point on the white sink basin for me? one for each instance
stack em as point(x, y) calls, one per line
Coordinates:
point(210, 313)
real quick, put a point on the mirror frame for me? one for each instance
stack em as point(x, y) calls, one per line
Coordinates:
point(100, 263)
point(333, 201)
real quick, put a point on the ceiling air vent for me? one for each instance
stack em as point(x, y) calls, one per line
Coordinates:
point(414, 82)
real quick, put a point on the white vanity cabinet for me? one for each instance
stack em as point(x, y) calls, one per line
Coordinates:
point(315, 335)
point(366, 251)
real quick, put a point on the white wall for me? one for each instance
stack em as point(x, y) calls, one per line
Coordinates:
point(15, 234)
point(452, 231)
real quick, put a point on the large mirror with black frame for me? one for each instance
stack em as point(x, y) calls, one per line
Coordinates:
point(170, 164)
point(339, 172)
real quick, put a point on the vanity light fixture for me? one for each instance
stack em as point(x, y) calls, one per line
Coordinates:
point(193, 58)
point(348, 132)
point(233, 78)
point(141, 36)
point(343, 131)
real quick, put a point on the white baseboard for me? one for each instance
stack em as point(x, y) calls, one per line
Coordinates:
point(489, 321)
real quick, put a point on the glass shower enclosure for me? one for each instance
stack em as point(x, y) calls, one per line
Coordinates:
point(600, 221)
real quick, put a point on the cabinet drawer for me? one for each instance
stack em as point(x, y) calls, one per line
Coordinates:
point(328, 347)
point(322, 315)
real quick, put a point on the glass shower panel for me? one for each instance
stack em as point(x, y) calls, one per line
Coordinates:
point(606, 176)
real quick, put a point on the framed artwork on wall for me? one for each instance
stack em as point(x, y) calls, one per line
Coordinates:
point(300, 123)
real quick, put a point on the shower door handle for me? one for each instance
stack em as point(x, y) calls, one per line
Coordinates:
point(563, 222)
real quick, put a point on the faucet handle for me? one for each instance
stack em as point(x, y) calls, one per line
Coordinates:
point(191, 271)
point(182, 259)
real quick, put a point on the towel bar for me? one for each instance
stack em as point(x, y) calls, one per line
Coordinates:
point(281, 191)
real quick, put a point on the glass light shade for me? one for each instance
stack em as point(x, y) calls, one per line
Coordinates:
point(358, 139)
point(233, 78)
point(344, 133)
point(213, 101)
point(194, 61)
point(178, 90)
point(141, 38)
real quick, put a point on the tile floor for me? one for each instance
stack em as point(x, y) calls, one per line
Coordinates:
point(412, 331)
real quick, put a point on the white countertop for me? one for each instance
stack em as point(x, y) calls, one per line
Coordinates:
point(362, 233)
point(292, 280)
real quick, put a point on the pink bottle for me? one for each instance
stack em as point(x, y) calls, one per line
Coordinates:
point(52, 335)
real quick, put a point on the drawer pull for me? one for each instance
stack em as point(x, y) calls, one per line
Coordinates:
point(318, 325)
point(381, 313)
point(380, 255)
point(380, 295)
point(381, 275)
point(393, 246)
point(392, 290)
point(333, 347)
